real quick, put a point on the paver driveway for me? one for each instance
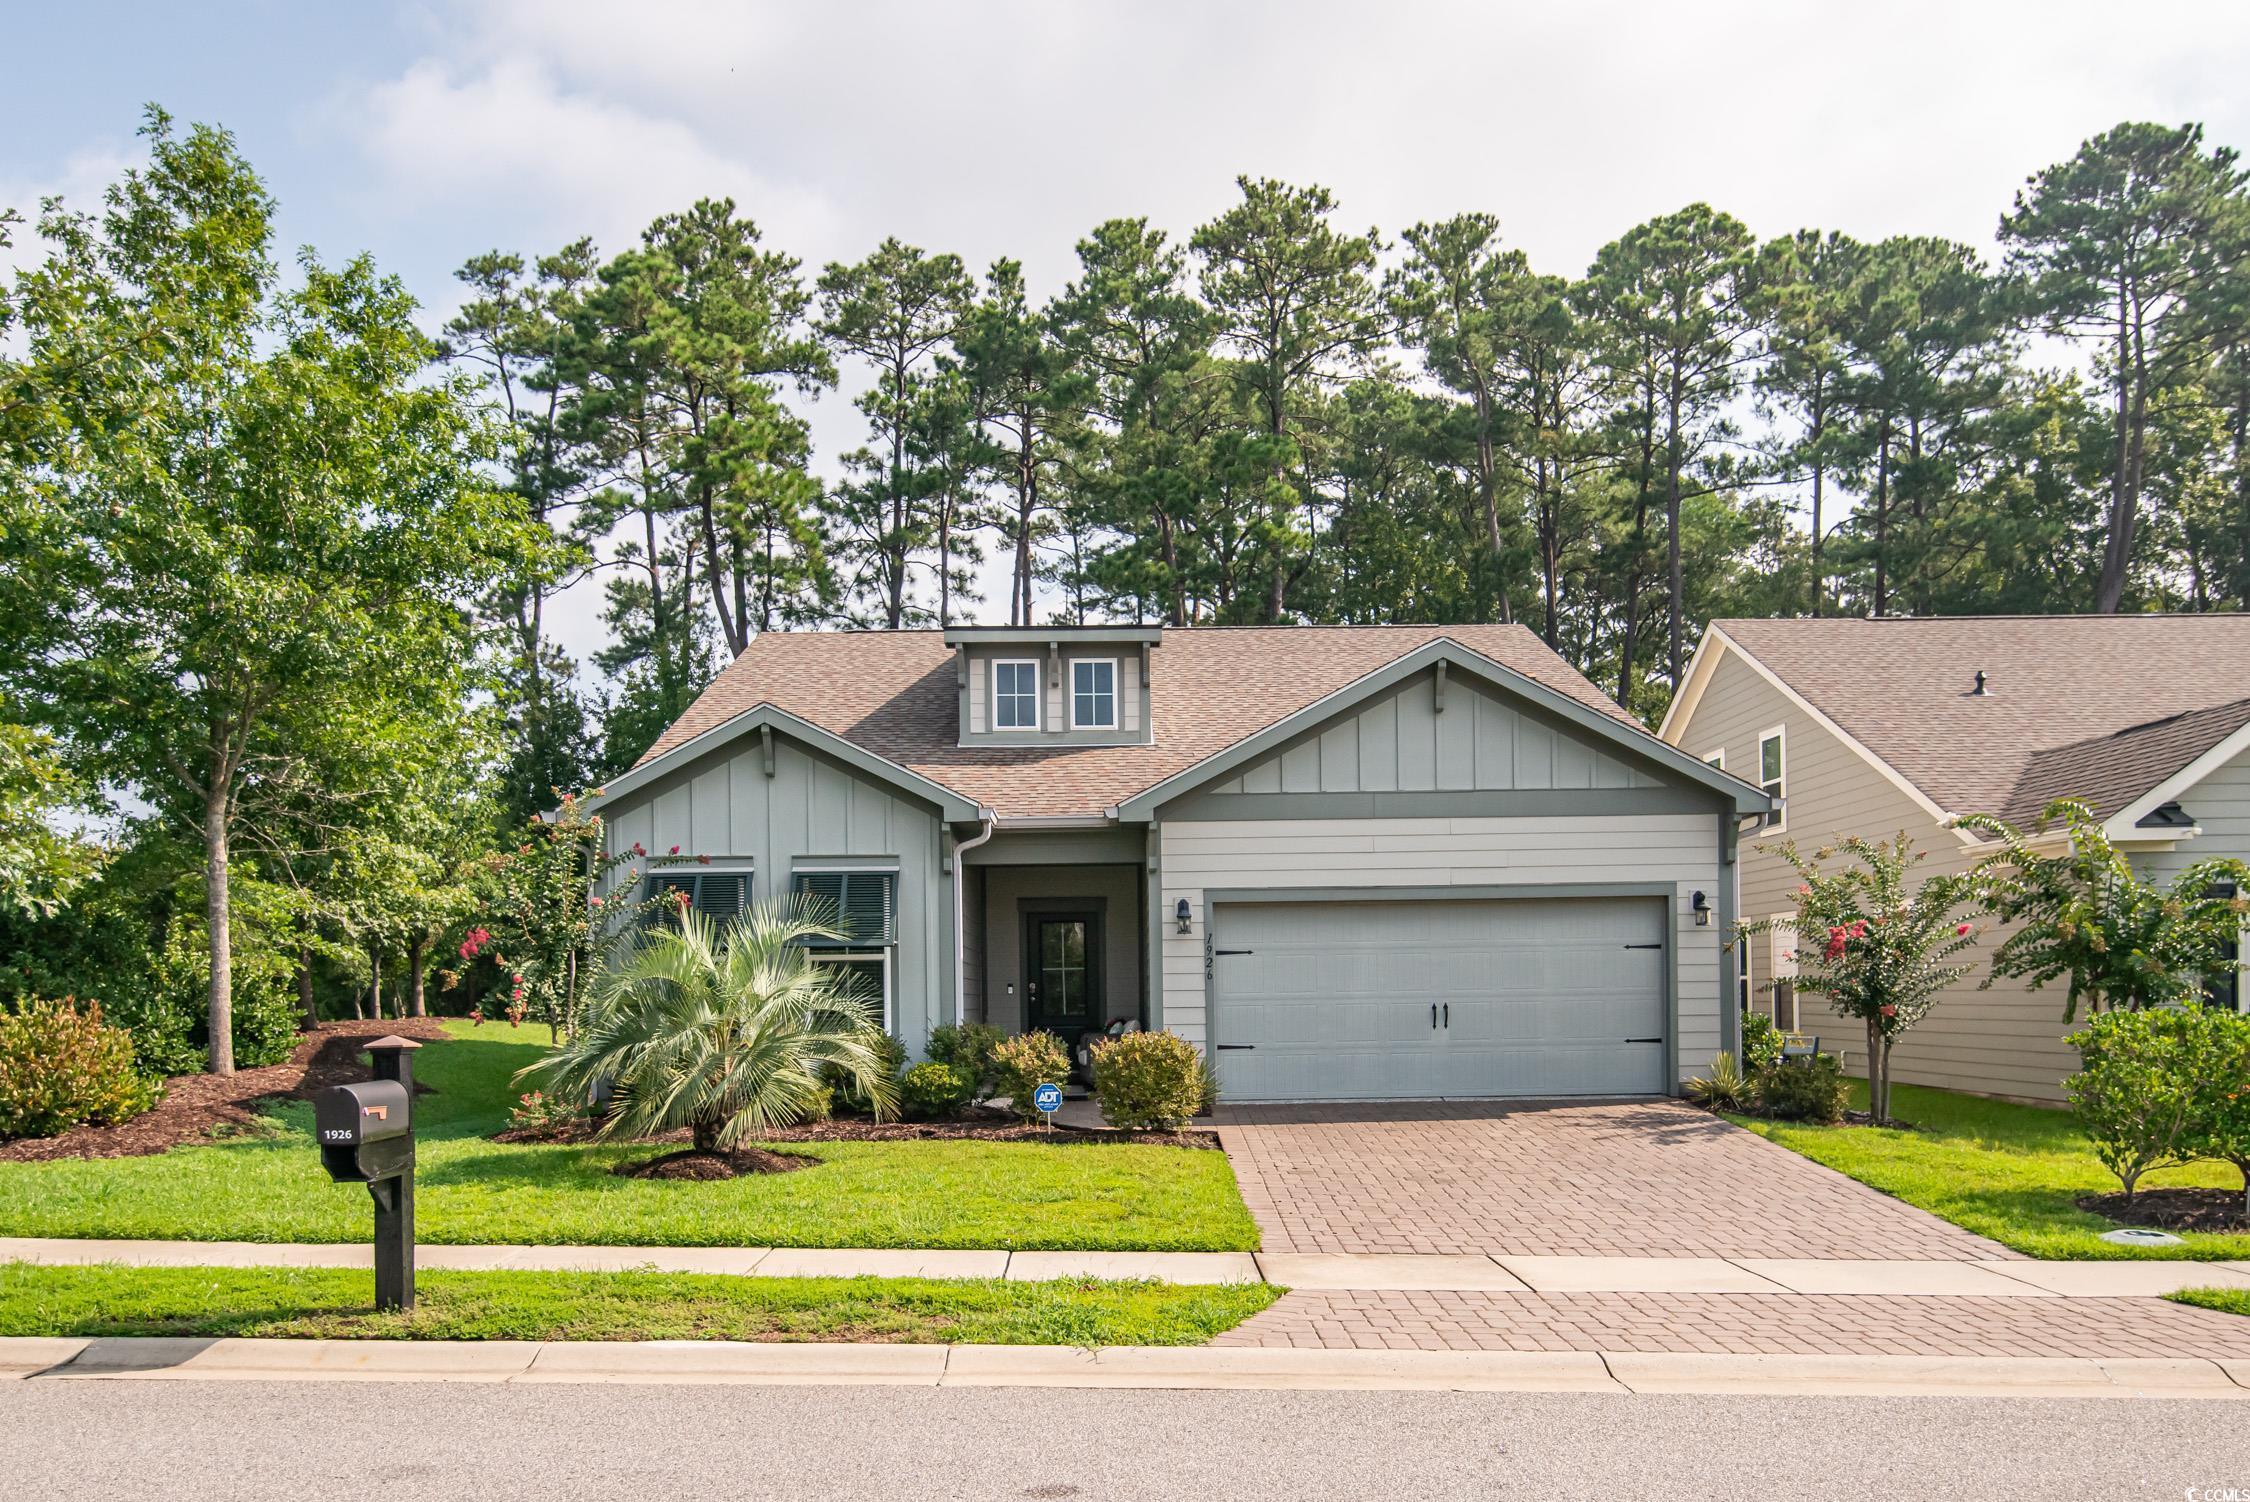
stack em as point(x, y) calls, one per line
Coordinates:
point(1576, 1178)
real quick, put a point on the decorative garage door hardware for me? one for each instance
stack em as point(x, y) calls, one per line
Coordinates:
point(1658, 945)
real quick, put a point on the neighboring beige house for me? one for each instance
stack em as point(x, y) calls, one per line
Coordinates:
point(1873, 727)
point(1353, 861)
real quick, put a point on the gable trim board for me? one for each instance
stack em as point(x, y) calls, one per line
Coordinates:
point(951, 805)
point(2123, 824)
point(1146, 804)
point(1715, 645)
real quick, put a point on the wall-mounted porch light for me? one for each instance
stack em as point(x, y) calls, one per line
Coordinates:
point(1185, 916)
point(1701, 907)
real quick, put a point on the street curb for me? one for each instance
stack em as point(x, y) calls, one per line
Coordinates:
point(1205, 1367)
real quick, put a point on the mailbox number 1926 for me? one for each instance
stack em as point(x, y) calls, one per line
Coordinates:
point(337, 1134)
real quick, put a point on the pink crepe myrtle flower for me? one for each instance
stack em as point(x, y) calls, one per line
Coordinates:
point(637, 850)
point(1961, 928)
point(675, 850)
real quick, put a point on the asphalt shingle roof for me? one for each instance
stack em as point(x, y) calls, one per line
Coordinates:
point(2099, 707)
point(893, 693)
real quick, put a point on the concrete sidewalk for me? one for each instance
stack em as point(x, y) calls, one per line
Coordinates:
point(1304, 1272)
point(708, 1362)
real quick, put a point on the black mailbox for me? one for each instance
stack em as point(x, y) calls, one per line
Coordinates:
point(366, 1136)
point(365, 1130)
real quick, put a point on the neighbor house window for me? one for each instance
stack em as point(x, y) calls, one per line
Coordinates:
point(1716, 758)
point(2223, 987)
point(718, 895)
point(1771, 766)
point(1742, 988)
point(1015, 696)
point(863, 906)
point(1093, 694)
point(1783, 968)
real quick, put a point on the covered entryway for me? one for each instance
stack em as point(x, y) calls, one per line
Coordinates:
point(1414, 999)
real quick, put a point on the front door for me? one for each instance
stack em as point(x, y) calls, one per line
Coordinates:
point(1062, 963)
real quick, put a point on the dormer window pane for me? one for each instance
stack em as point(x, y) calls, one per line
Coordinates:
point(1093, 694)
point(1015, 696)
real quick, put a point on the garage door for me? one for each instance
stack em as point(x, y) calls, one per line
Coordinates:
point(1405, 999)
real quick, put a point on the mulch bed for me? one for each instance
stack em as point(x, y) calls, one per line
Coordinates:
point(194, 1105)
point(979, 1126)
point(698, 1166)
point(2173, 1209)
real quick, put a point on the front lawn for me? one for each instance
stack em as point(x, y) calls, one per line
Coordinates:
point(2225, 1300)
point(334, 1303)
point(2010, 1172)
point(269, 1186)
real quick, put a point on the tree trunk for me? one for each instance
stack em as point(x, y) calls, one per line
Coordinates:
point(414, 955)
point(1677, 654)
point(706, 1133)
point(305, 1000)
point(1875, 1069)
point(375, 978)
point(2124, 496)
point(216, 814)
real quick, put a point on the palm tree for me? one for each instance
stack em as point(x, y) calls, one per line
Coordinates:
point(723, 1031)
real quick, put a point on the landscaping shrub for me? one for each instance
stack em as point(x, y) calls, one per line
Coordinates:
point(549, 1115)
point(1148, 1081)
point(2221, 1128)
point(1022, 1064)
point(1807, 1089)
point(1725, 1088)
point(61, 1065)
point(1207, 1085)
point(967, 1046)
point(2140, 1085)
point(844, 1091)
point(1761, 1042)
point(935, 1092)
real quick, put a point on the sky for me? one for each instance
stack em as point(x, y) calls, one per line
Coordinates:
point(426, 133)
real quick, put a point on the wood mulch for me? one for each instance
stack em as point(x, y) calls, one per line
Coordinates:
point(195, 1105)
point(707, 1167)
point(978, 1126)
point(2173, 1209)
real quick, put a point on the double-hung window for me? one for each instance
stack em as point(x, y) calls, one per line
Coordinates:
point(863, 907)
point(2223, 988)
point(1772, 769)
point(1015, 695)
point(1093, 693)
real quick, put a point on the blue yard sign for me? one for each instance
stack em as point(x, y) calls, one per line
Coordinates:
point(1047, 1098)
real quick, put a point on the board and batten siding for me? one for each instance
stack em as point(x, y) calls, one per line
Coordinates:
point(1679, 850)
point(1402, 743)
point(2004, 1041)
point(2221, 806)
point(812, 811)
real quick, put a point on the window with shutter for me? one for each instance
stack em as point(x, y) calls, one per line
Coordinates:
point(718, 895)
point(863, 904)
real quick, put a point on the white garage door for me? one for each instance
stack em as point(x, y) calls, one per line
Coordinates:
point(1397, 1000)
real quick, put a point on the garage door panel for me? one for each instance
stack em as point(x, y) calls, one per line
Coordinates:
point(1536, 997)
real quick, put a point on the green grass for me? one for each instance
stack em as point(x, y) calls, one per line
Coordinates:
point(334, 1303)
point(2010, 1172)
point(2225, 1300)
point(270, 1186)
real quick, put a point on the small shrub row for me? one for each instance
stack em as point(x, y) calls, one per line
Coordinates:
point(61, 1066)
point(1802, 1089)
point(2164, 1086)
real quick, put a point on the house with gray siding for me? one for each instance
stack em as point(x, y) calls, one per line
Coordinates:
point(1900, 725)
point(1348, 862)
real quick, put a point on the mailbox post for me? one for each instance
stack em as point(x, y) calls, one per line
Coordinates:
point(366, 1134)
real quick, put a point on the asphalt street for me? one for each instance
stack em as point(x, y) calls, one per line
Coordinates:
point(311, 1442)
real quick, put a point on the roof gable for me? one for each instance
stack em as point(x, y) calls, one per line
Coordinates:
point(894, 695)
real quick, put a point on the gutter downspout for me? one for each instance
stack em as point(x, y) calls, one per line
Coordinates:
point(960, 913)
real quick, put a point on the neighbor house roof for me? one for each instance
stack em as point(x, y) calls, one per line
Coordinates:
point(893, 693)
point(2103, 708)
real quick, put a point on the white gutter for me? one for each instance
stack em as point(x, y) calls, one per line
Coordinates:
point(960, 914)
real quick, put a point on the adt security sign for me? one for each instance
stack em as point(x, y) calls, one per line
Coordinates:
point(1048, 1100)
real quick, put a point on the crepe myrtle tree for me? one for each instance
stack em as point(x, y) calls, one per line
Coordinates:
point(1873, 941)
point(2085, 916)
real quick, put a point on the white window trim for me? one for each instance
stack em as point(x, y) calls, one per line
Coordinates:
point(1778, 733)
point(1716, 757)
point(1038, 696)
point(1115, 677)
point(880, 952)
point(1745, 993)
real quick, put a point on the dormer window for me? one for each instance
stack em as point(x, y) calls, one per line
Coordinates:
point(1015, 695)
point(1093, 693)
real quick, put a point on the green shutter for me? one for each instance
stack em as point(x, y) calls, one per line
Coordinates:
point(718, 895)
point(863, 904)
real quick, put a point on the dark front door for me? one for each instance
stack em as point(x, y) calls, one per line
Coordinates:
point(1062, 966)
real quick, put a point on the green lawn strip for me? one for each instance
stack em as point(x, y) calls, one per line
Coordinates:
point(270, 1187)
point(2010, 1172)
point(305, 1303)
point(2225, 1300)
